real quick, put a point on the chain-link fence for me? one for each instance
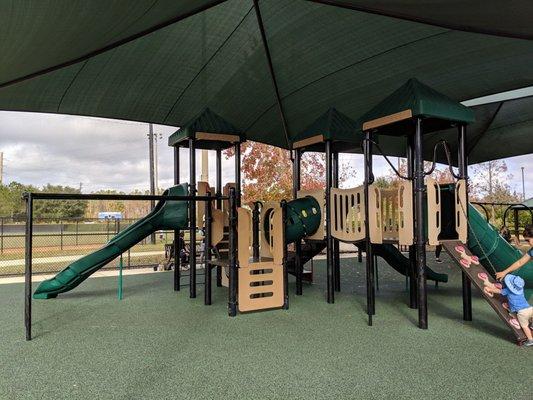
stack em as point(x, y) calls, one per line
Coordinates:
point(60, 241)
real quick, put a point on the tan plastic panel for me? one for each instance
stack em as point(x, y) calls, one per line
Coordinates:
point(347, 214)
point(219, 137)
point(308, 141)
point(320, 196)
point(217, 227)
point(244, 225)
point(461, 225)
point(387, 120)
point(389, 214)
point(405, 213)
point(261, 286)
point(374, 211)
point(434, 211)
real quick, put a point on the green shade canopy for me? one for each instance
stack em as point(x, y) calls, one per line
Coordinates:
point(414, 99)
point(210, 130)
point(335, 126)
point(501, 130)
point(164, 62)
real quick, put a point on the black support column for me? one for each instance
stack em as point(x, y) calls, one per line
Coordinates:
point(219, 201)
point(192, 219)
point(28, 265)
point(420, 236)
point(335, 242)
point(412, 250)
point(463, 173)
point(370, 288)
point(176, 249)
point(238, 174)
point(329, 247)
point(296, 183)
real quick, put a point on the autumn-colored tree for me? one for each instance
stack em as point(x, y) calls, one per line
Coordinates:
point(267, 172)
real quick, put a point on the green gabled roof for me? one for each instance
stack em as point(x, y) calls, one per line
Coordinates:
point(207, 122)
point(335, 126)
point(418, 100)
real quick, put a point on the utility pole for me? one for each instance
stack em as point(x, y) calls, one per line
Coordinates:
point(152, 172)
point(2, 168)
point(523, 184)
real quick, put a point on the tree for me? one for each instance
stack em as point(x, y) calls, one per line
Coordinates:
point(267, 172)
point(491, 186)
point(11, 203)
point(58, 209)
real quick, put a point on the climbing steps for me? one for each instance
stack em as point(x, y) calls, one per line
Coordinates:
point(479, 277)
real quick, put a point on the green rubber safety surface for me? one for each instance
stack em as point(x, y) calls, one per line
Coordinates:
point(158, 344)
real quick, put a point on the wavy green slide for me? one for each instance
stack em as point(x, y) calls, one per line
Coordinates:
point(168, 214)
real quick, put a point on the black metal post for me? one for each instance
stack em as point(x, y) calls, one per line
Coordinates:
point(28, 265)
point(176, 250)
point(232, 249)
point(329, 247)
point(516, 231)
point(284, 261)
point(335, 242)
point(192, 219)
point(238, 173)
point(296, 184)
point(207, 252)
point(152, 173)
point(463, 173)
point(420, 236)
point(370, 291)
point(412, 251)
point(219, 201)
point(255, 231)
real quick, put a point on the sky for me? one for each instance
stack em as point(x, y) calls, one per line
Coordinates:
point(99, 153)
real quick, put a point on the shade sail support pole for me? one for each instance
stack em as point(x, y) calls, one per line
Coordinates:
point(272, 73)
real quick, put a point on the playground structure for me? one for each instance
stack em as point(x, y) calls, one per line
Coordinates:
point(254, 251)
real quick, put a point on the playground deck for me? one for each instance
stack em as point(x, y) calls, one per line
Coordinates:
point(157, 344)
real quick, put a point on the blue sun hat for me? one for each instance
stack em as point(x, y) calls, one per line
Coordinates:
point(514, 283)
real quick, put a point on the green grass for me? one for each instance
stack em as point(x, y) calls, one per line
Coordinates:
point(158, 344)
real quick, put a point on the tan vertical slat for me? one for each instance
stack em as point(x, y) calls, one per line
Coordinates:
point(277, 237)
point(244, 227)
point(374, 210)
point(461, 225)
point(405, 213)
point(434, 211)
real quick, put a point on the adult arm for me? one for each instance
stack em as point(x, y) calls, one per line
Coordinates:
point(514, 266)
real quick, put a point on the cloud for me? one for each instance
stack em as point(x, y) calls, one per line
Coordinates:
point(98, 153)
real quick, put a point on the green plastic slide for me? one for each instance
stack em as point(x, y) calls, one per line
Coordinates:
point(400, 263)
point(493, 251)
point(168, 214)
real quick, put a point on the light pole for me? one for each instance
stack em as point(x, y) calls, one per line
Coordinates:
point(523, 186)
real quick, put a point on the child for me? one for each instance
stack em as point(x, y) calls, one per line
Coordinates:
point(514, 292)
point(528, 236)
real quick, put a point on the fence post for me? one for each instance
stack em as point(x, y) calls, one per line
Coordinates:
point(107, 229)
point(61, 233)
point(77, 231)
point(1, 235)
